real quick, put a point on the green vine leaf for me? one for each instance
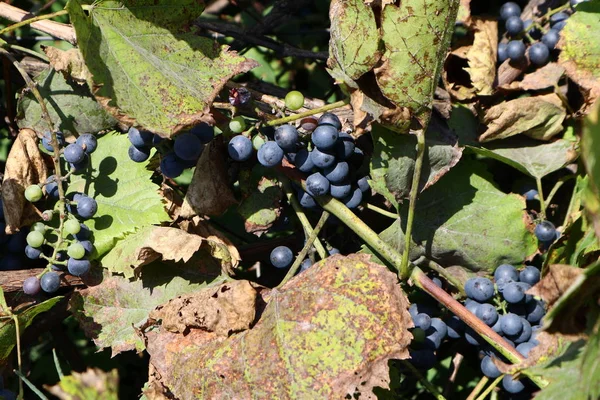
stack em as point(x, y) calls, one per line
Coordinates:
point(590, 146)
point(127, 199)
point(149, 69)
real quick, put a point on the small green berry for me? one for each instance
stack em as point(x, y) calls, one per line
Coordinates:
point(237, 124)
point(294, 100)
point(33, 193)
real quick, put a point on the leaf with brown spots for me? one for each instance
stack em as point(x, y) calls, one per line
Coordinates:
point(24, 167)
point(539, 117)
point(92, 384)
point(328, 332)
point(209, 192)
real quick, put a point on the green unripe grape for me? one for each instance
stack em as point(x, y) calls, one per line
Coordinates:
point(72, 227)
point(237, 124)
point(38, 227)
point(33, 193)
point(294, 100)
point(76, 251)
point(35, 239)
point(257, 142)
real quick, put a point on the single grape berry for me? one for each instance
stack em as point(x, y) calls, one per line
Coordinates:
point(88, 246)
point(204, 132)
point(76, 251)
point(354, 199)
point(535, 311)
point(545, 231)
point(509, 9)
point(237, 124)
point(514, 25)
point(171, 166)
point(455, 327)
point(86, 207)
point(338, 172)
point(317, 184)
point(31, 286)
point(74, 153)
point(559, 20)
point(515, 50)
point(330, 119)
point(539, 54)
point(511, 324)
point(286, 137)
point(530, 275)
point(340, 190)
point(306, 264)
point(524, 348)
point(50, 282)
point(187, 147)
point(72, 227)
point(84, 233)
point(479, 289)
point(88, 142)
point(487, 313)
point(78, 267)
point(422, 321)
point(325, 137)
point(47, 140)
point(345, 146)
point(306, 200)
point(439, 327)
point(489, 369)
point(38, 226)
point(363, 184)
point(82, 165)
point(530, 194)
point(138, 154)
point(270, 154)
point(240, 148)
point(281, 257)
point(294, 100)
point(33, 193)
point(140, 138)
point(511, 385)
point(502, 52)
point(35, 239)
point(506, 271)
point(525, 333)
point(321, 159)
point(32, 253)
point(513, 293)
point(52, 186)
point(551, 38)
point(303, 161)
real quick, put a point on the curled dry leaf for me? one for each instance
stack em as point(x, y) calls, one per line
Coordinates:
point(557, 279)
point(542, 78)
point(24, 167)
point(70, 63)
point(223, 310)
point(328, 332)
point(209, 192)
point(482, 56)
point(539, 117)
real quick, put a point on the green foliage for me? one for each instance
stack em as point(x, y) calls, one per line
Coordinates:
point(579, 34)
point(127, 199)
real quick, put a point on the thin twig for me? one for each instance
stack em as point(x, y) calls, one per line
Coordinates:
point(302, 255)
point(18, 339)
point(478, 388)
point(490, 388)
point(381, 211)
point(308, 113)
point(53, 28)
point(25, 50)
point(557, 186)
point(31, 385)
point(430, 388)
point(538, 182)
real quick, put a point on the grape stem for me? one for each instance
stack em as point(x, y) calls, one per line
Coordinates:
point(442, 272)
point(381, 211)
point(490, 388)
point(19, 360)
point(496, 341)
point(538, 182)
point(430, 388)
point(478, 388)
point(287, 188)
point(318, 110)
point(414, 192)
point(557, 186)
point(302, 255)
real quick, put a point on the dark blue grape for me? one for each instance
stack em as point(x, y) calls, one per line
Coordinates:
point(86, 207)
point(514, 25)
point(47, 139)
point(357, 157)
point(88, 141)
point(433, 340)
point(422, 358)
point(31, 286)
point(545, 231)
point(525, 333)
point(512, 385)
point(422, 321)
point(455, 327)
point(138, 154)
point(472, 305)
point(204, 132)
point(84, 233)
point(511, 324)
point(551, 38)
point(78, 267)
point(81, 166)
point(345, 146)
point(502, 52)
point(324, 137)
point(363, 184)
point(333, 251)
point(88, 246)
point(472, 337)
point(525, 287)
point(317, 185)
point(539, 54)
point(417, 308)
point(32, 253)
point(501, 284)
point(330, 119)
point(506, 271)
point(338, 172)
point(479, 289)
point(171, 166)
point(497, 327)
point(530, 194)
point(74, 153)
point(559, 20)
point(306, 200)
point(509, 9)
point(530, 275)
point(487, 313)
point(535, 311)
point(321, 159)
point(489, 369)
point(306, 264)
point(281, 257)
point(52, 186)
point(513, 293)
point(188, 147)
point(286, 137)
point(524, 348)
point(140, 138)
point(240, 148)
point(270, 154)
point(515, 50)
point(439, 326)
point(50, 282)
point(354, 199)
point(304, 161)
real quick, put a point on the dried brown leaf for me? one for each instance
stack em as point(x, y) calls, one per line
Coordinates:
point(24, 167)
point(464, 12)
point(328, 332)
point(542, 78)
point(588, 84)
point(555, 282)
point(223, 310)
point(482, 56)
point(209, 192)
point(70, 63)
point(456, 81)
point(539, 117)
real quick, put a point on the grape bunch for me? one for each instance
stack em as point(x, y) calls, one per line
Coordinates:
point(503, 305)
point(521, 33)
point(177, 155)
point(12, 248)
point(64, 244)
